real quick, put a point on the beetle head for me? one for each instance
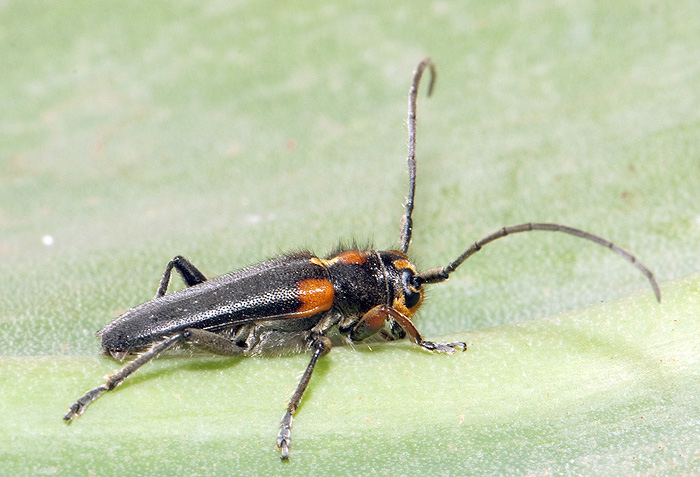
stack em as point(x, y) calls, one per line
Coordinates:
point(404, 284)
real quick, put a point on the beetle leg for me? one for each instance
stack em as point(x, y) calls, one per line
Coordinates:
point(321, 347)
point(189, 273)
point(212, 342)
point(395, 332)
point(371, 320)
point(370, 323)
point(114, 380)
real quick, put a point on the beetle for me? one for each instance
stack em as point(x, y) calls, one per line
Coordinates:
point(298, 302)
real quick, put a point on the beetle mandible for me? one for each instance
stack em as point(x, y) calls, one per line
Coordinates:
point(295, 302)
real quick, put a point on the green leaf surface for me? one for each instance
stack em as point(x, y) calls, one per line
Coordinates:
point(231, 132)
point(608, 389)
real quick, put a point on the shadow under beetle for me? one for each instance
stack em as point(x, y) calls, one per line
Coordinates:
point(294, 302)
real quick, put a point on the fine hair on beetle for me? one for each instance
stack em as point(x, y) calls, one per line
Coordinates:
point(295, 302)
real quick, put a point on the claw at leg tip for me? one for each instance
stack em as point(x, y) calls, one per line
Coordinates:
point(285, 452)
point(68, 418)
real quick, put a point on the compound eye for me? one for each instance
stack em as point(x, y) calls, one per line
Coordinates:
point(411, 288)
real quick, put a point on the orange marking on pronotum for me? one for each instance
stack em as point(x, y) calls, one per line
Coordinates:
point(351, 257)
point(399, 263)
point(315, 296)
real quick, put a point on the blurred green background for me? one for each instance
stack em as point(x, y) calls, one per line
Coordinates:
point(231, 132)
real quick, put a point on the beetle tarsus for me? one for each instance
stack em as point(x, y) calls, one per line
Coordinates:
point(284, 438)
point(78, 407)
point(447, 348)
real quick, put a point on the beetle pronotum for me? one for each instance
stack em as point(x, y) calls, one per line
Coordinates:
point(299, 301)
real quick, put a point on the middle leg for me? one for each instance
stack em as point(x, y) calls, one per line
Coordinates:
point(321, 347)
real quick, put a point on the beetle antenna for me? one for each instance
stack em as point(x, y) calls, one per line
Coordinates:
point(406, 220)
point(440, 274)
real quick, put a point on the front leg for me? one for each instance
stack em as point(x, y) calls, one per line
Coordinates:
point(447, 348)
point(321, 346)
point(374, 319)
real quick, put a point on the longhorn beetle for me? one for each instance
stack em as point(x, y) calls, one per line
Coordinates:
point(295, 302)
